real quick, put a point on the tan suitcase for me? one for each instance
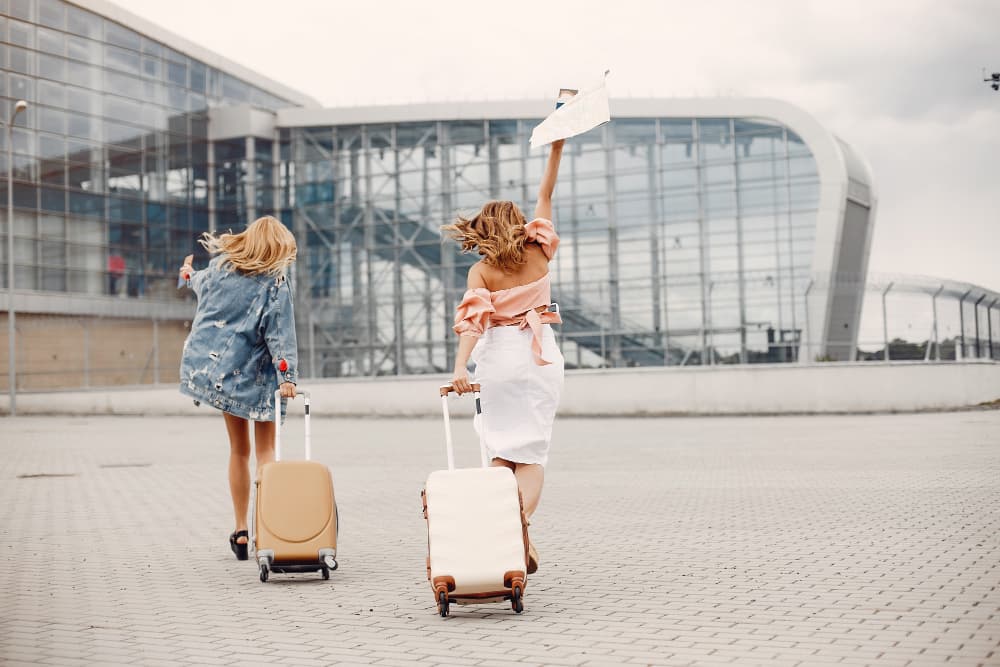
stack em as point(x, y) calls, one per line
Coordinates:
point(294, 511)
point(476, 532)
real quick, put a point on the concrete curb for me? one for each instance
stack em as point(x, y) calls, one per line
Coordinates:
point(756, 390)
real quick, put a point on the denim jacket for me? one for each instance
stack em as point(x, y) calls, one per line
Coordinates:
point(242, 341)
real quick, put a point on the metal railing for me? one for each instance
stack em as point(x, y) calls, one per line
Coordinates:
point(910, 318)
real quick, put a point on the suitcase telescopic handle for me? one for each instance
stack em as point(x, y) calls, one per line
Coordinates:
point(277, 423)
point(444, 390)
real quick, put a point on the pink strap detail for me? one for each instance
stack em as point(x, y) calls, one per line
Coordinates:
point(472, 316)
point(544, 234)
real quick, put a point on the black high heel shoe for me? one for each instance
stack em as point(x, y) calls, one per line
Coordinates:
point(241, 550)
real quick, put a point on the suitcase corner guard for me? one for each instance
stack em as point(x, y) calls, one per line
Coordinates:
point(515, 578)
point(444, 584)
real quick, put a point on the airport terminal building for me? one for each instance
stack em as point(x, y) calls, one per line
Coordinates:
point(694, 231)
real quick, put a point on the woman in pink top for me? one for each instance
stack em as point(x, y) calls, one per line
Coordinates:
point(503, 323)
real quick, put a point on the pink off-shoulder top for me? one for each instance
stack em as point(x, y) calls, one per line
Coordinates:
point(481, 309)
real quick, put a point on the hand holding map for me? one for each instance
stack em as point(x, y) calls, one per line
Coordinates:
point(577, 114)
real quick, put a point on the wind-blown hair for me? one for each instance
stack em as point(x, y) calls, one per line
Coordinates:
point(496, 233)
point(266, 247)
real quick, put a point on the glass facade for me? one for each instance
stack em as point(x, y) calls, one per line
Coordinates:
point(684, 240)
point(111, 161)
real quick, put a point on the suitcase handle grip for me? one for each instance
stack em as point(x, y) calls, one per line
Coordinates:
point(277, 423)
point(444, 390)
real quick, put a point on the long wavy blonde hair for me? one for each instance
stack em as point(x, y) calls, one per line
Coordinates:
point(496, 233)
point(265, 247)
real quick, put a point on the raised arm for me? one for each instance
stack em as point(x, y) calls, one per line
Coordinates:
point(544, 207)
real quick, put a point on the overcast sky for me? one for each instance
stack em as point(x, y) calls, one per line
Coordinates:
point(901, 80)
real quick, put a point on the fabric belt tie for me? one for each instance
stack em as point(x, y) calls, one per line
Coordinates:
point(534, 320)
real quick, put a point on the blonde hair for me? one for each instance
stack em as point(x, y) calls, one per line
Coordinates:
point(265, 247)
point(496, 233)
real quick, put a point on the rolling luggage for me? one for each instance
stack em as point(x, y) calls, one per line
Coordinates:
point(294, 510)
point(476, 533)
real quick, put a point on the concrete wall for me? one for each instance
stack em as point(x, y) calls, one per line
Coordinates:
point(56, 352)
point(720, 390)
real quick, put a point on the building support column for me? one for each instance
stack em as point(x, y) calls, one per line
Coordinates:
point(212, 188)
point(613, 267)
point(369, 250)
point(447, 245)
point(303, 287)
point(975, 315)
point(425, 214)
point(397, 269)
point(703, 262)
point(341, 242)
point(937, 342)
point(574, 222)
point(777, 241)
point(276, 172)
point(885, 323)
point(808, 341)
point(989, 327)
point(740, 277)
point(250, 185)
point(494, 165)
point(429, 321)
point(652, 172)
point(961, 326)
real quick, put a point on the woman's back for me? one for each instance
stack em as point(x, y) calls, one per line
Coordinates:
point(535, 268)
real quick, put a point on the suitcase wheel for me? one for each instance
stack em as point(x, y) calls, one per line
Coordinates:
point(515, 599)
point(264, 570)
point(330, 562)
point(326, 573)
point(443, 603)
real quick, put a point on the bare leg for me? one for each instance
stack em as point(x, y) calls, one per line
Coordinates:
point(530, 477)
point(263, 440)
point(239, 469)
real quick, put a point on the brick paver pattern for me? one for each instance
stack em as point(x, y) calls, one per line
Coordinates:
point(754, 541)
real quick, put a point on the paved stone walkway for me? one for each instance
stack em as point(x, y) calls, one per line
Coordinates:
point(752, 541)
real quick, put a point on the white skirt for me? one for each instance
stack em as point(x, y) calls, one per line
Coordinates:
point(519, 397)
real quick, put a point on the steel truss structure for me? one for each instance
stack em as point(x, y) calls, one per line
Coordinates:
point(367, 196)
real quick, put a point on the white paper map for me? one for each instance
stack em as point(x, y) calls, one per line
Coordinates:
point(581, 113)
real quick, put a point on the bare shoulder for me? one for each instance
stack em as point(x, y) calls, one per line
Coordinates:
point(477, 275)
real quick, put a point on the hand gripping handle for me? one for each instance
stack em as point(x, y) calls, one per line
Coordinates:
point(444, 390)
point(277, 423)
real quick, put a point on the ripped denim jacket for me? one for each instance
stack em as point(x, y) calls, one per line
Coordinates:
point(242, 342)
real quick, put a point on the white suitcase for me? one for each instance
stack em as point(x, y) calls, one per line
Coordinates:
point(476, 532)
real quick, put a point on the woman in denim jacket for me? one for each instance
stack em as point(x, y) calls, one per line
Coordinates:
point(242, 346)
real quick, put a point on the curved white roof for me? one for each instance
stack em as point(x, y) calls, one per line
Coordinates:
point(826, 149)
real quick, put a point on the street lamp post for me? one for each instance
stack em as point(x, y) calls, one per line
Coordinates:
point(20, 106)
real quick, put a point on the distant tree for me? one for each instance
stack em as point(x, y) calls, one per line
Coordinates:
point(901, 350)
